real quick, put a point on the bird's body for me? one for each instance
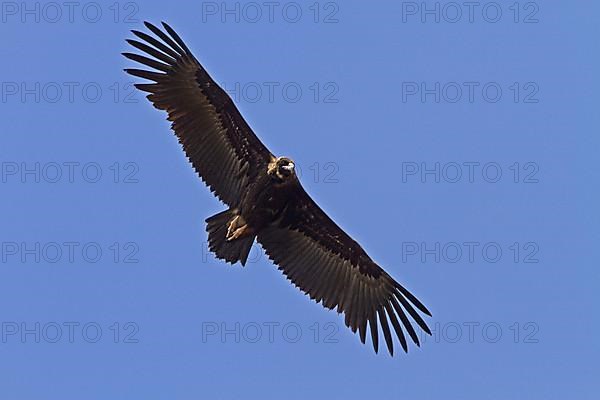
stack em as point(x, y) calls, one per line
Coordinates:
point(265, 199)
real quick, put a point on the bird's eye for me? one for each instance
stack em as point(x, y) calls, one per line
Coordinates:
point(287, 166)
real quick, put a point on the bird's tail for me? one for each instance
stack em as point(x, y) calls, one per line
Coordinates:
point(232, 250)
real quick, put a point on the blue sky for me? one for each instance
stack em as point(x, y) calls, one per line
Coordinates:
point(458, 145)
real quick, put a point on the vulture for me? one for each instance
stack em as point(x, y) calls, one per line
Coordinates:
point(265, 199)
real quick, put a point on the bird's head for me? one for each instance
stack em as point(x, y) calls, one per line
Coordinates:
point(282, 168)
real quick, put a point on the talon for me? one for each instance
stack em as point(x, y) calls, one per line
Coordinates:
point(236, 228)
point(237, 233)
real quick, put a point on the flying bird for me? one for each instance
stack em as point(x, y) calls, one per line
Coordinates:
point(266, 201)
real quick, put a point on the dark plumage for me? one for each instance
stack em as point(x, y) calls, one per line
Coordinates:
point(266, 201)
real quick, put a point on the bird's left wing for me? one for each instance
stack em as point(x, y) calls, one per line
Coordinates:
point(221, 146)
point(328, 265)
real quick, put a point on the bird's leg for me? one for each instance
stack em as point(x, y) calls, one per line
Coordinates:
point(232, 226)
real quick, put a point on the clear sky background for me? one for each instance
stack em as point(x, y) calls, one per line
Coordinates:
point(458, 146)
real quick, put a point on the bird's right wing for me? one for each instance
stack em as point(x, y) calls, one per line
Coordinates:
point(221, 146)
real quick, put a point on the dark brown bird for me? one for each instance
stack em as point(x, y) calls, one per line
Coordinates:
point(265, 198)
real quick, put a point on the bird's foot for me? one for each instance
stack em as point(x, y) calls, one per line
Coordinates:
point(237, 228)
point(238, 233)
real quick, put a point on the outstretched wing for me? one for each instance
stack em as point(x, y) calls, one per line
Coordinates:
point(219, 143)
point(328, 265)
